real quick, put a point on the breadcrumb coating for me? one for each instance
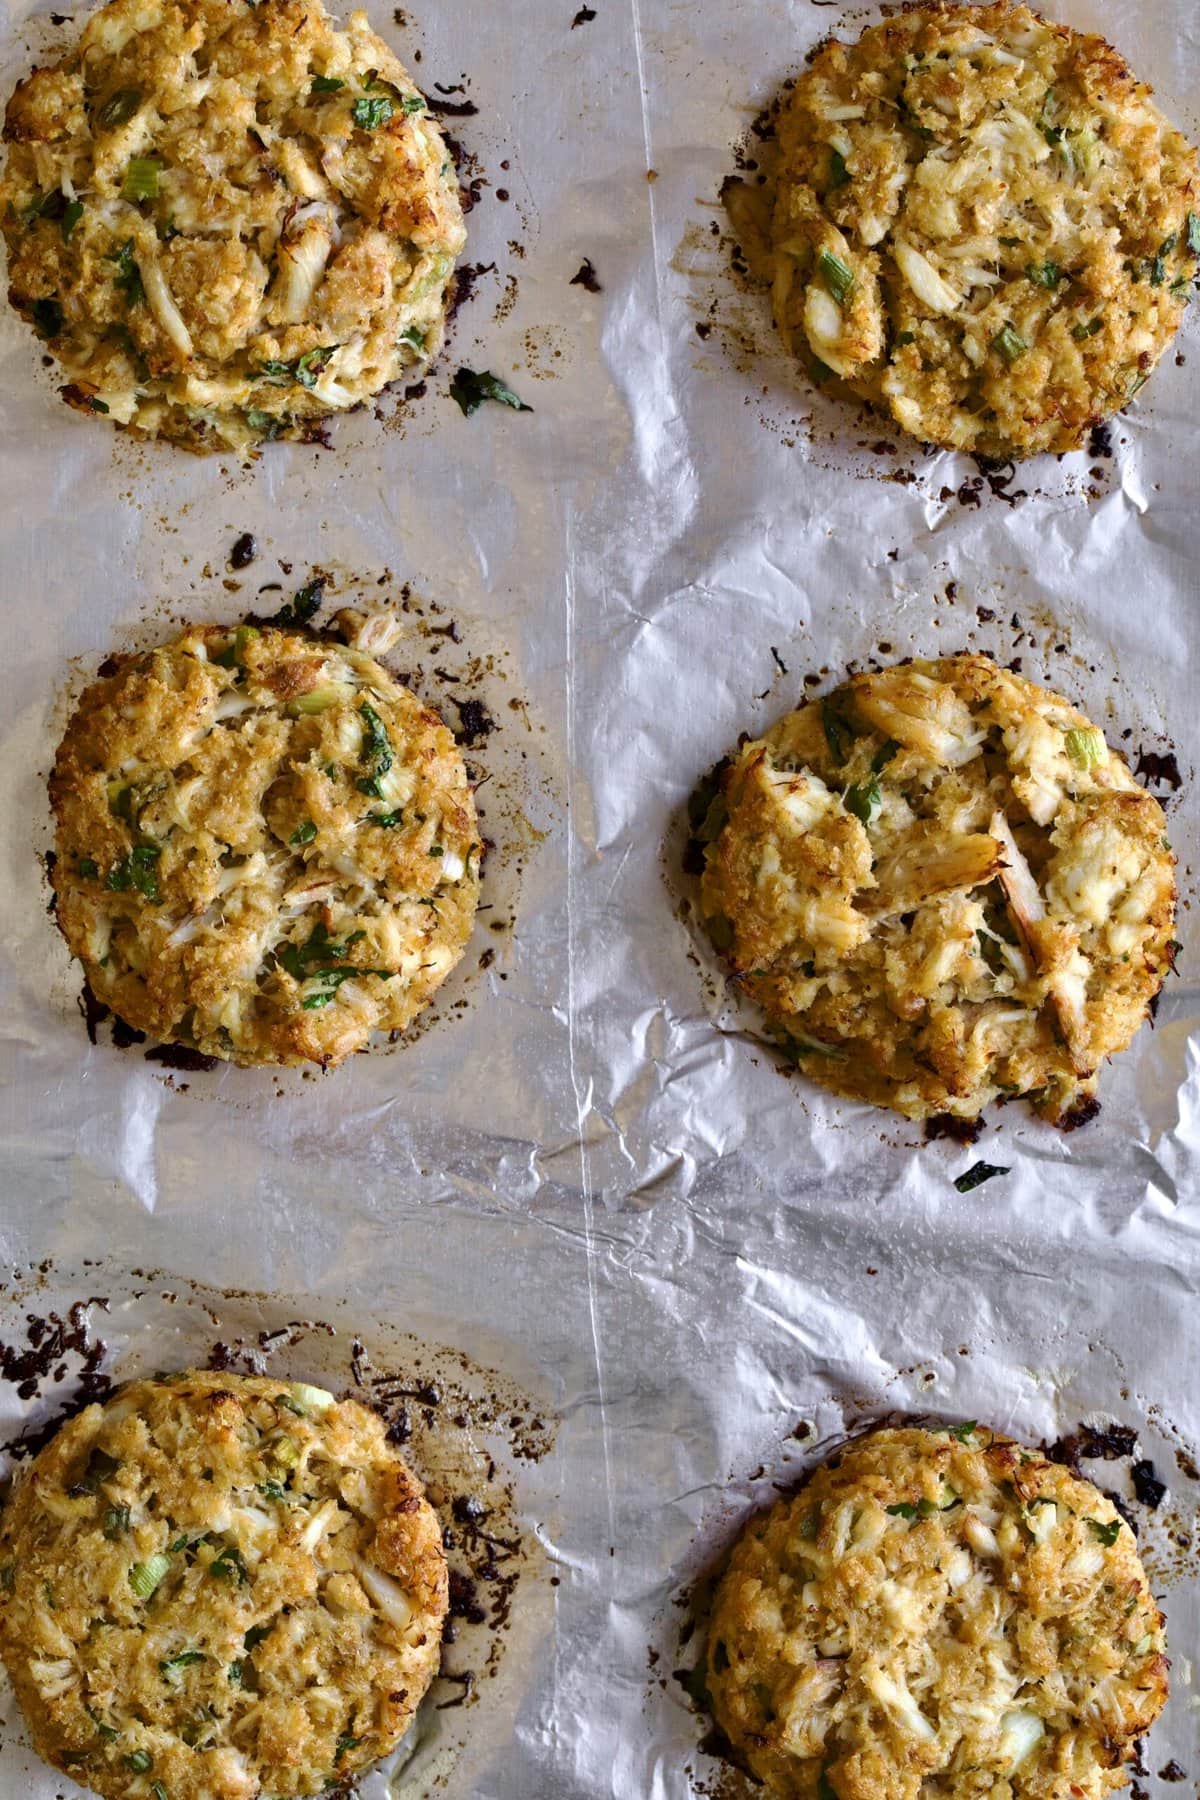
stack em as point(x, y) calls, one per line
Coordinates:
point(943, 887)
point(219, 1587)
point(982, 223)
point(267, 848)
point(228, 220)
point(937, 1615)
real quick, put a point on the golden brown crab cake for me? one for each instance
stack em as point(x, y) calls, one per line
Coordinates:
point(981, 223)
point(218, 1587)
point(943, 887)
point(937, 1614)
point(228, 220)
point(267, 848)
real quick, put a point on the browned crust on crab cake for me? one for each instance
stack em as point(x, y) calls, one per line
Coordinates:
point(231, 1586)
point(982, 223)
point(228, 220)
point(937, 1616)
point(267, 847)
point(943, 887)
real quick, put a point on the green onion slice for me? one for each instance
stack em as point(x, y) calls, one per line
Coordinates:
point(141, 179)
point(144, 1577)
point(1009, 344)
point(837, 276)
point(1086, 747)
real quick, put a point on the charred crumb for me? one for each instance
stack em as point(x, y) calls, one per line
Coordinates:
point(451, 109)
point(244, 552)
point(1123, 1507)
point(585, 277)
point(703, 330)
point(475, 722)
point(1172, 1772)
point(1080, 1115)
point(949, 1125)
point(108, 667)
point(584, 16)
point(1147, 1486)
point(48, 1343)
point(182, 1056)
point(1100, 440)
point(466, 278)
point(1158, 768)
point(466, 1681)
point(1107, 1443)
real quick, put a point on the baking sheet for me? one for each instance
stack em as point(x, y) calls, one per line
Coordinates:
point(583, 1172)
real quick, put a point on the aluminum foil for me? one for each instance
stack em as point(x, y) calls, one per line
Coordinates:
point(584, 1172)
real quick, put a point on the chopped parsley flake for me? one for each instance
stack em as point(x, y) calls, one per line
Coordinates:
point(470, 388)
point(977, 1174)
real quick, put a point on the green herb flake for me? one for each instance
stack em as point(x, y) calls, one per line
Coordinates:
point(119, 108)
point(47, 318)
point(964, 1432)
point(837, 733)
point(414, 337)
point(137, 871)
point(345, 1745)
point(303, 834)
point(230, 1566)
point(116, 1522)
point(310, 365)
point(884, 755)
point(977, 1174)
point(128, 277)
point(1044, 275)
point(1081, 332)
point(1009, 344)
point(839, 175)
point(141, 179)
point(863, 799)
point(410, 104)
point(1106, 1533)
point(305, 606)
point(158, 1791)
point(89, 868)
point(140, 1761)
point(326, 84)
point(172, 1664)
point(902, 338)
point(375, 752)
point(470, 388)
point(235, 1673)
point(837, 276)
point(1192, 233)
point(109, 1733)
point(267, 425)
point(72, 213)
point(388, 820)
point(372, 111)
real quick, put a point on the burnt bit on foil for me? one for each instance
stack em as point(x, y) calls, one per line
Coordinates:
point(56, 1346)
point(585, 277)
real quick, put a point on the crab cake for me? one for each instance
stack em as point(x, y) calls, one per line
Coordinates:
point(983, 224)
point(267, 848)
point(942, 887)
point(219, 1587)
point(937, 1614)
point(227, 220)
